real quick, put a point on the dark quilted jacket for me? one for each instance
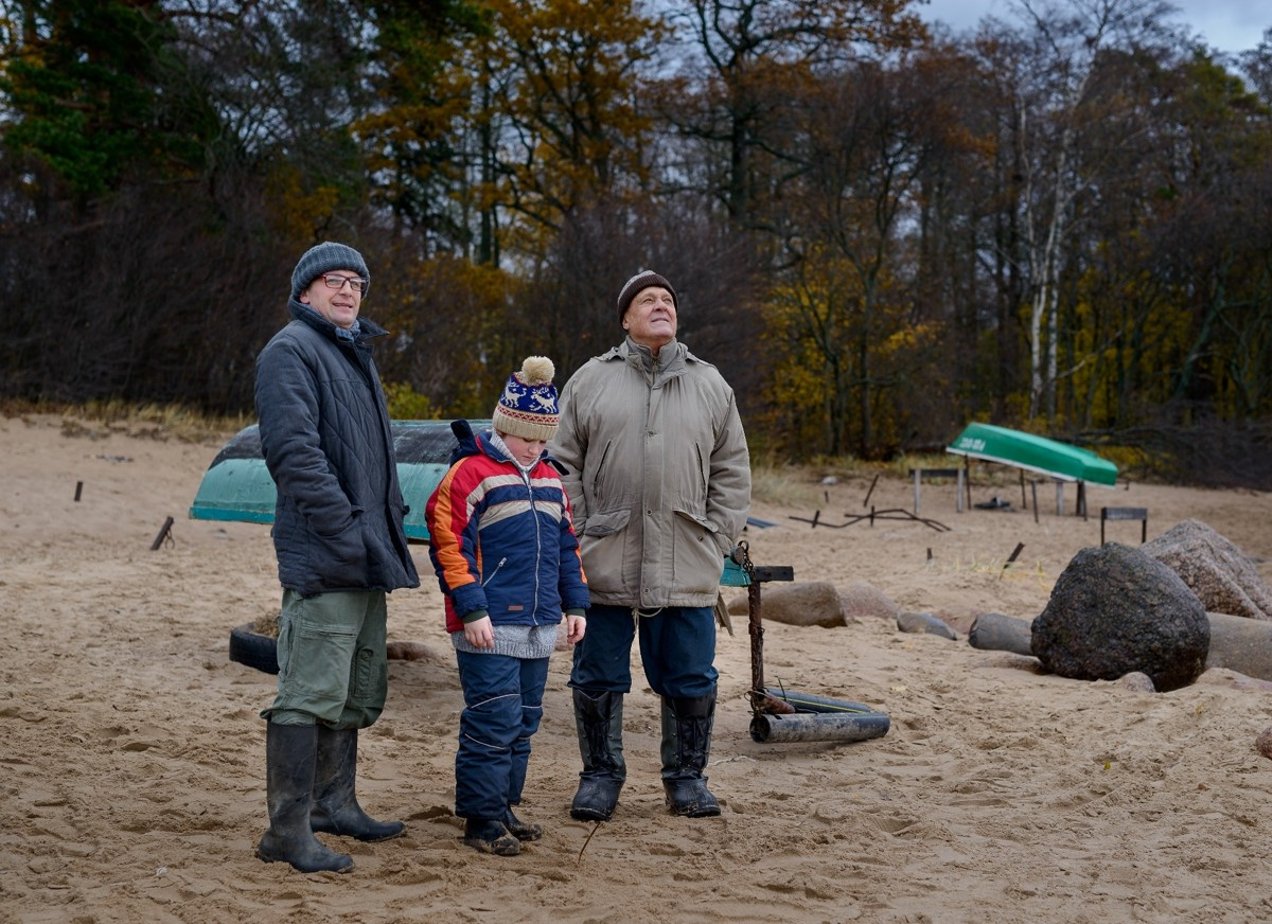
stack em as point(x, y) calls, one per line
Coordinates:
point(327, 442)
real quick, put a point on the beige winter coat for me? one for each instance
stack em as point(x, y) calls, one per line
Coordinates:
point(658, 475)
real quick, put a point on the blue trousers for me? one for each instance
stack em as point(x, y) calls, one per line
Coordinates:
point(677, 648)
point(503, 705)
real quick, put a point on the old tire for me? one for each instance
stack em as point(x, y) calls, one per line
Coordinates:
point(247, 646)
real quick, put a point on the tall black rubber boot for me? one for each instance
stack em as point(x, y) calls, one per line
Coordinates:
point(336, 809)
point(290, 756)
point(599, 720)
point(686, 744)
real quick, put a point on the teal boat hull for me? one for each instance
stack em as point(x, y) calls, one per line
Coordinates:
point(237, 485)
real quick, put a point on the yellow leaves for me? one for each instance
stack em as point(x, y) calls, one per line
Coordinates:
point(298, 211)
point(405, 403)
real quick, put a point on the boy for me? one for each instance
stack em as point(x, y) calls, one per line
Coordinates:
point(501, 539)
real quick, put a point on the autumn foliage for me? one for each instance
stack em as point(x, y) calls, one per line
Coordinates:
point(877, 233)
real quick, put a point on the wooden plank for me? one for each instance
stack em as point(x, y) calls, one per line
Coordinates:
point(1123, 513)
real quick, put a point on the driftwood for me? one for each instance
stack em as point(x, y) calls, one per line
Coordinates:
point(410, 651)
point(1236, 643)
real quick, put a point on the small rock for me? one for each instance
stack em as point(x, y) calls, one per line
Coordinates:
point(924, 624)
point(1263, 743)
point(1138, 681)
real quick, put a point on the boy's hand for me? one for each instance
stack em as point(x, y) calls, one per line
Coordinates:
point(575, 627)
point(480, 633)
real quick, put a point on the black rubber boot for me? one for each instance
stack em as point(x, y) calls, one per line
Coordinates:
point(686, 744)
point(335, 809)
point(599, 720)
point(290, 756)
point(520, 829)
point(490, 836)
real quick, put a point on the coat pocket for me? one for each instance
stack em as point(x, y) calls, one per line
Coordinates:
point(340, 560)
point(604, 543)
point(696, 558)
point(606, 524)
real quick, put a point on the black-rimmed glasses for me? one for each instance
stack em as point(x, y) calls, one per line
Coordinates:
point(337, 282)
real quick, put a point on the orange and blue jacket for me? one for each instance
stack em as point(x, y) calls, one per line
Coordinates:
point(502, 540)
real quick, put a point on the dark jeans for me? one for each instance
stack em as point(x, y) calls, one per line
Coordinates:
point(677, 648)
point(503, 704)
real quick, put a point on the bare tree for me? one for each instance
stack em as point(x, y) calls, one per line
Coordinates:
point(1068, 39)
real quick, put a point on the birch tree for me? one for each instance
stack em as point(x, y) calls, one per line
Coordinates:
point(1068, 38)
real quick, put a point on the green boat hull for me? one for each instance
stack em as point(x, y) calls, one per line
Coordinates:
point(1057, 460)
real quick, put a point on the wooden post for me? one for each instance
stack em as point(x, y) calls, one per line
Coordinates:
point(756, 630)
point(163, 534)
point(871, 491)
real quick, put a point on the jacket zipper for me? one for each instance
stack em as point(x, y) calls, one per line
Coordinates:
point(538, 546)
point(503, 561)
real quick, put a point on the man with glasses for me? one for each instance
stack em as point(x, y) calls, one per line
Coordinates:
point(341, 547)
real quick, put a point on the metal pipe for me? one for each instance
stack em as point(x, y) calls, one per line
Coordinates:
point(803, 726)
point(811, 702)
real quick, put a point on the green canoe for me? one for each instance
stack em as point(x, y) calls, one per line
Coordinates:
point(1034, 453)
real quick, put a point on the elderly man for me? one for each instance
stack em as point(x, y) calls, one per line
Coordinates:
point(341, 547)
point(659, 479)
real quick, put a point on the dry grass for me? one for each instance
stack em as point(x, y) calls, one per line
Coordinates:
point(96, 419)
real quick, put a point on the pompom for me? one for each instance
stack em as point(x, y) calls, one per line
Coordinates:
point(537, 370)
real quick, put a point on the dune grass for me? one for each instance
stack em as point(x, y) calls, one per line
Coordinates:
point(96, 419)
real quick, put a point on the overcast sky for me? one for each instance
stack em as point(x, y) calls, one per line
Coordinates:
point(1228, 25)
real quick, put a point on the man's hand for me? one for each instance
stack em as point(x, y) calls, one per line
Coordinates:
point(575, 627)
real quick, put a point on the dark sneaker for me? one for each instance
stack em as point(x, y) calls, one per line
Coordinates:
point(490, 836)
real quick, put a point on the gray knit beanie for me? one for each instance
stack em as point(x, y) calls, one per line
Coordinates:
point(323, 258)
point(642, 280)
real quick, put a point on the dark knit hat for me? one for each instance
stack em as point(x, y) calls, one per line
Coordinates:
point(642, 280)
point(528, 406)
point(323, 258)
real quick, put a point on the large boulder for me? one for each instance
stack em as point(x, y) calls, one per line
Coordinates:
point(1219, 573)
point(1115, 610)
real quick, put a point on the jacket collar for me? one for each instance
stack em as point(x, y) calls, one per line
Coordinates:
point(470, 443)
point(367, 329)
point(671, 357)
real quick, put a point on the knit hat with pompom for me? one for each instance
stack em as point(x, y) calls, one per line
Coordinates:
point(528, 406)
